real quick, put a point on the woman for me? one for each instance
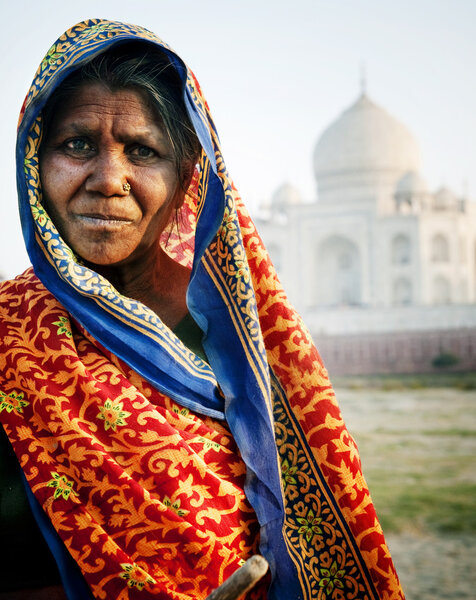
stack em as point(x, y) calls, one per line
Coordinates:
point(167, 407)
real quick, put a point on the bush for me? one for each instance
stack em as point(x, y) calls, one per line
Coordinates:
point(445, 360)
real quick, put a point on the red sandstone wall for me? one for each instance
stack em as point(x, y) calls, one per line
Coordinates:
point(402, 352)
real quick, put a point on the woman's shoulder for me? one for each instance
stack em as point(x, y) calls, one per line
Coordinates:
point(24, 302)
point(21, 291)
point(20, 282)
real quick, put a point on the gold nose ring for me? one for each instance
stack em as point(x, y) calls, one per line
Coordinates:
point(126, 187)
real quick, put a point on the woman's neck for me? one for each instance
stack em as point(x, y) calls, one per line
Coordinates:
point(156, 280)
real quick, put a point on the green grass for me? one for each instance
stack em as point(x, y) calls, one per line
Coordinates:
point(452, 432)
point(425, 508)
point(420, 487)
point(459, 433)
point(418, 451)
point(461, 381)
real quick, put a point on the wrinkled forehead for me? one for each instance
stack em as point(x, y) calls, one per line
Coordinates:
point(94, 108)
point(79, 46)
point(81, 97)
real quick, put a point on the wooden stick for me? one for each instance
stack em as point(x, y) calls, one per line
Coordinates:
point(242, 580)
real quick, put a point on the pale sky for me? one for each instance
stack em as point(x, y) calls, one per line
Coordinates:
point(276, 73)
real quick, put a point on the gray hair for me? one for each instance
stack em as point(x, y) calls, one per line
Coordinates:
point(134, 65)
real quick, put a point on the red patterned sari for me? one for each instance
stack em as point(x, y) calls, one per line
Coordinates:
point(162, 472)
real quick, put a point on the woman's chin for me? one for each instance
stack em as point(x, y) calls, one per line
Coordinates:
point(104, 257)
point(108, 261)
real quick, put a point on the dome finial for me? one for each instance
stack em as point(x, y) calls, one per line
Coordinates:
point(363, 79)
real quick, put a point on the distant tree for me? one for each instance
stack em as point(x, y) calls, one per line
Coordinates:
point(445, 360)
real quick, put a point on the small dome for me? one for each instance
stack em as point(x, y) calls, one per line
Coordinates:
point(285, 195)
point(412, 183)
point(444, 198)
point(365, 138)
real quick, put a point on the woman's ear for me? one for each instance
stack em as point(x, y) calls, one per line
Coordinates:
point(187, 175)
point(179, 198)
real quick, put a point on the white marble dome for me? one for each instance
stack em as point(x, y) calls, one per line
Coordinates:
point(365, 138)
point(285, 195)
point(412, 183)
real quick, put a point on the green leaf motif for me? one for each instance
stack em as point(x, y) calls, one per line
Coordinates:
point(135, 576)
point(309, 525)
point(332, 578)
point(208, 444)
point(63, 487)
point(175, 506)
point(64, 327)
point(12, 402)
point(113, 415)
point(288, 473)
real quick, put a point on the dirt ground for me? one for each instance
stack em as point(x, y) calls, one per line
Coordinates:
point(418, 449)
point(435, 567)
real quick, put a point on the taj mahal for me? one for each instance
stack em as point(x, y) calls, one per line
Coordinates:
point(376, 251)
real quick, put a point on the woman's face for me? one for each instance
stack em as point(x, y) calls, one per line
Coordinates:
point(98, 141)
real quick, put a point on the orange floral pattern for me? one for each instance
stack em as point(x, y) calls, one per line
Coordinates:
point(152, 487)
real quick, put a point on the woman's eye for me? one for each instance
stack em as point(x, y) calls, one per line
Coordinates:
point(142, 152)
point(79, 145)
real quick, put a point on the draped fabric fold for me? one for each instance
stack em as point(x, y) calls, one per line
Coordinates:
point(160, 471)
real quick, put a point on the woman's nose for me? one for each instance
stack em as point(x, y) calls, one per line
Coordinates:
point(108, 176)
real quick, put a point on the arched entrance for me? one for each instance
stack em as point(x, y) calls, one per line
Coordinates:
point(338, 273)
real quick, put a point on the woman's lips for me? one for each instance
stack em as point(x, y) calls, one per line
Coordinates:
point(98, 221)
